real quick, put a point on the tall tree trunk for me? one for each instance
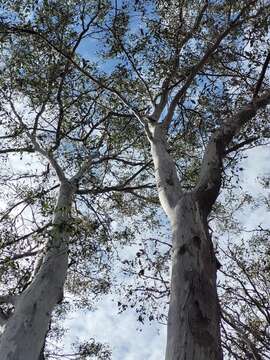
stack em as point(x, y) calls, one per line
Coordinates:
point(194, 317)
point(26, 329)
point(193, 331)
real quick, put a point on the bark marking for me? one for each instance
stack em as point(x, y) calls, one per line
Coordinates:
point(183, 249)
point(197, 241)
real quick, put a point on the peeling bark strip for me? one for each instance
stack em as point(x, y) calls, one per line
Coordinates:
point(25, 331)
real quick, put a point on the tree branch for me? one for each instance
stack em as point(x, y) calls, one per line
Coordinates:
point(19, 256)
point(209, 181)
point(17, 150)
point(133, 65)
point(168, 184)
point(260, 81)
point(37, 147)
point(209, 52)
point(85, 166)
point(69, 57)
point(166, 88)
point(119, 188)
point(242, 144)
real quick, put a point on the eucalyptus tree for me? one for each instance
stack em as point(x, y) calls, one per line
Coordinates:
point(194, 312)
point(65, 169)
point(193, 75)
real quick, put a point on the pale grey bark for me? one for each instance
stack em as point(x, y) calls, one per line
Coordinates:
point(193, 331)
point(168, 185)
point(193, 321)
point(25, 331)
point(194, 316)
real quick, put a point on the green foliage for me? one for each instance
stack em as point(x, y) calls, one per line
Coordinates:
point(76, 75)
point(245, 298)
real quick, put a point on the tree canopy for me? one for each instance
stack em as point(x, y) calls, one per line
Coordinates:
point(88, 90)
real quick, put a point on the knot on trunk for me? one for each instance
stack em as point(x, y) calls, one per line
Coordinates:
point(197, 241)
point(183, 249)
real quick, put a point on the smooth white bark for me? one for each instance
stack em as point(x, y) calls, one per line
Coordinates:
point(168, 185)
point(25, 331)
point(193, 322)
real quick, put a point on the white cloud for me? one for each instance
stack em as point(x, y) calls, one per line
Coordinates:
point(120, 331)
